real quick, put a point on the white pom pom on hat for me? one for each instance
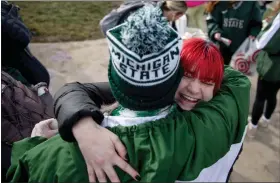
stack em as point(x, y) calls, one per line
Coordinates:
point(145, 31)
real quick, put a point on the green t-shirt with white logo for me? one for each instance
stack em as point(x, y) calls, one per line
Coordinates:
point(235, 23)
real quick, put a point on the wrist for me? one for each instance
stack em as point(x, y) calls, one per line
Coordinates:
point(83, 125)
point(66, 128)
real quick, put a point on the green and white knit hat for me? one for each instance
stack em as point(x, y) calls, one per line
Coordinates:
point(144, 69)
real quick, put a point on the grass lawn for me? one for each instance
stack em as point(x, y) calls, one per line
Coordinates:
point(64, 21)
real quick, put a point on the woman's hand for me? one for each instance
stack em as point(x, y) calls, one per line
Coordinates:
point(46, 128)
point(252, 37)
point(102, 150)
point(217, 36)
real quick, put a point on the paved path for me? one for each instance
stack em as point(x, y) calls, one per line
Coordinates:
point(87, 62)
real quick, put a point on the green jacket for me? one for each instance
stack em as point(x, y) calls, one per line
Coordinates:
point(235, 23)
point(268, 60)
point(199, 145)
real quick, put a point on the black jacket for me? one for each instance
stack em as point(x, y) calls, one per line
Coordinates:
point(14, 46)
point(69, 109)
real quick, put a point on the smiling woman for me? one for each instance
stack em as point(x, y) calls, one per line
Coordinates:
point(203, 73)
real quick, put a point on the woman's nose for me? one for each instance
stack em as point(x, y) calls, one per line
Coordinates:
point(194, 86)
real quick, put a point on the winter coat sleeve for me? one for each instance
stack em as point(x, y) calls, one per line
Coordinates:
point(75, 100)
point(255, 24)
point(18, 171)
point(230, 105)
point(214, 22)
point(47, 160)
point(218, 124)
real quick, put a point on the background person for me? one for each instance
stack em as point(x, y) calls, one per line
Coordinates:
point(171, 10)
point(268, 67)
point(195, 15)
point(16, 56)
point(234, 20)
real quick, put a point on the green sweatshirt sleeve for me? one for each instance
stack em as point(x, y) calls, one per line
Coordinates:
point(51, 160)
point(256, 21)
point(214, 22)
point(218, 124)
point(17, 169)
point(231, 104)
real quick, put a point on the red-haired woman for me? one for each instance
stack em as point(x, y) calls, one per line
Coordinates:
point(203, 73)
point(214, 128)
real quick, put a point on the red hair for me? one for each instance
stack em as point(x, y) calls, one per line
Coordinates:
point(203, 60)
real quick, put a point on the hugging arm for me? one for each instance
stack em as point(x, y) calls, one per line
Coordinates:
point(219, 126)
point(75, 101)
point(77, 110)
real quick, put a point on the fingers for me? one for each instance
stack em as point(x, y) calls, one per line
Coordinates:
point(46, 128)
point(112, 175)
point(47, 121)
point(33, 133)
point(91, 174)
point(101, 156)
point(51, 133)
point(53, 124)
point(119, 160)
point(126, 168)
point(100, 175)
point(38, 131)
point(120, 148)
point(217, 36)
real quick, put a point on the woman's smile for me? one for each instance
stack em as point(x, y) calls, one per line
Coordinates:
point(188, 98)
